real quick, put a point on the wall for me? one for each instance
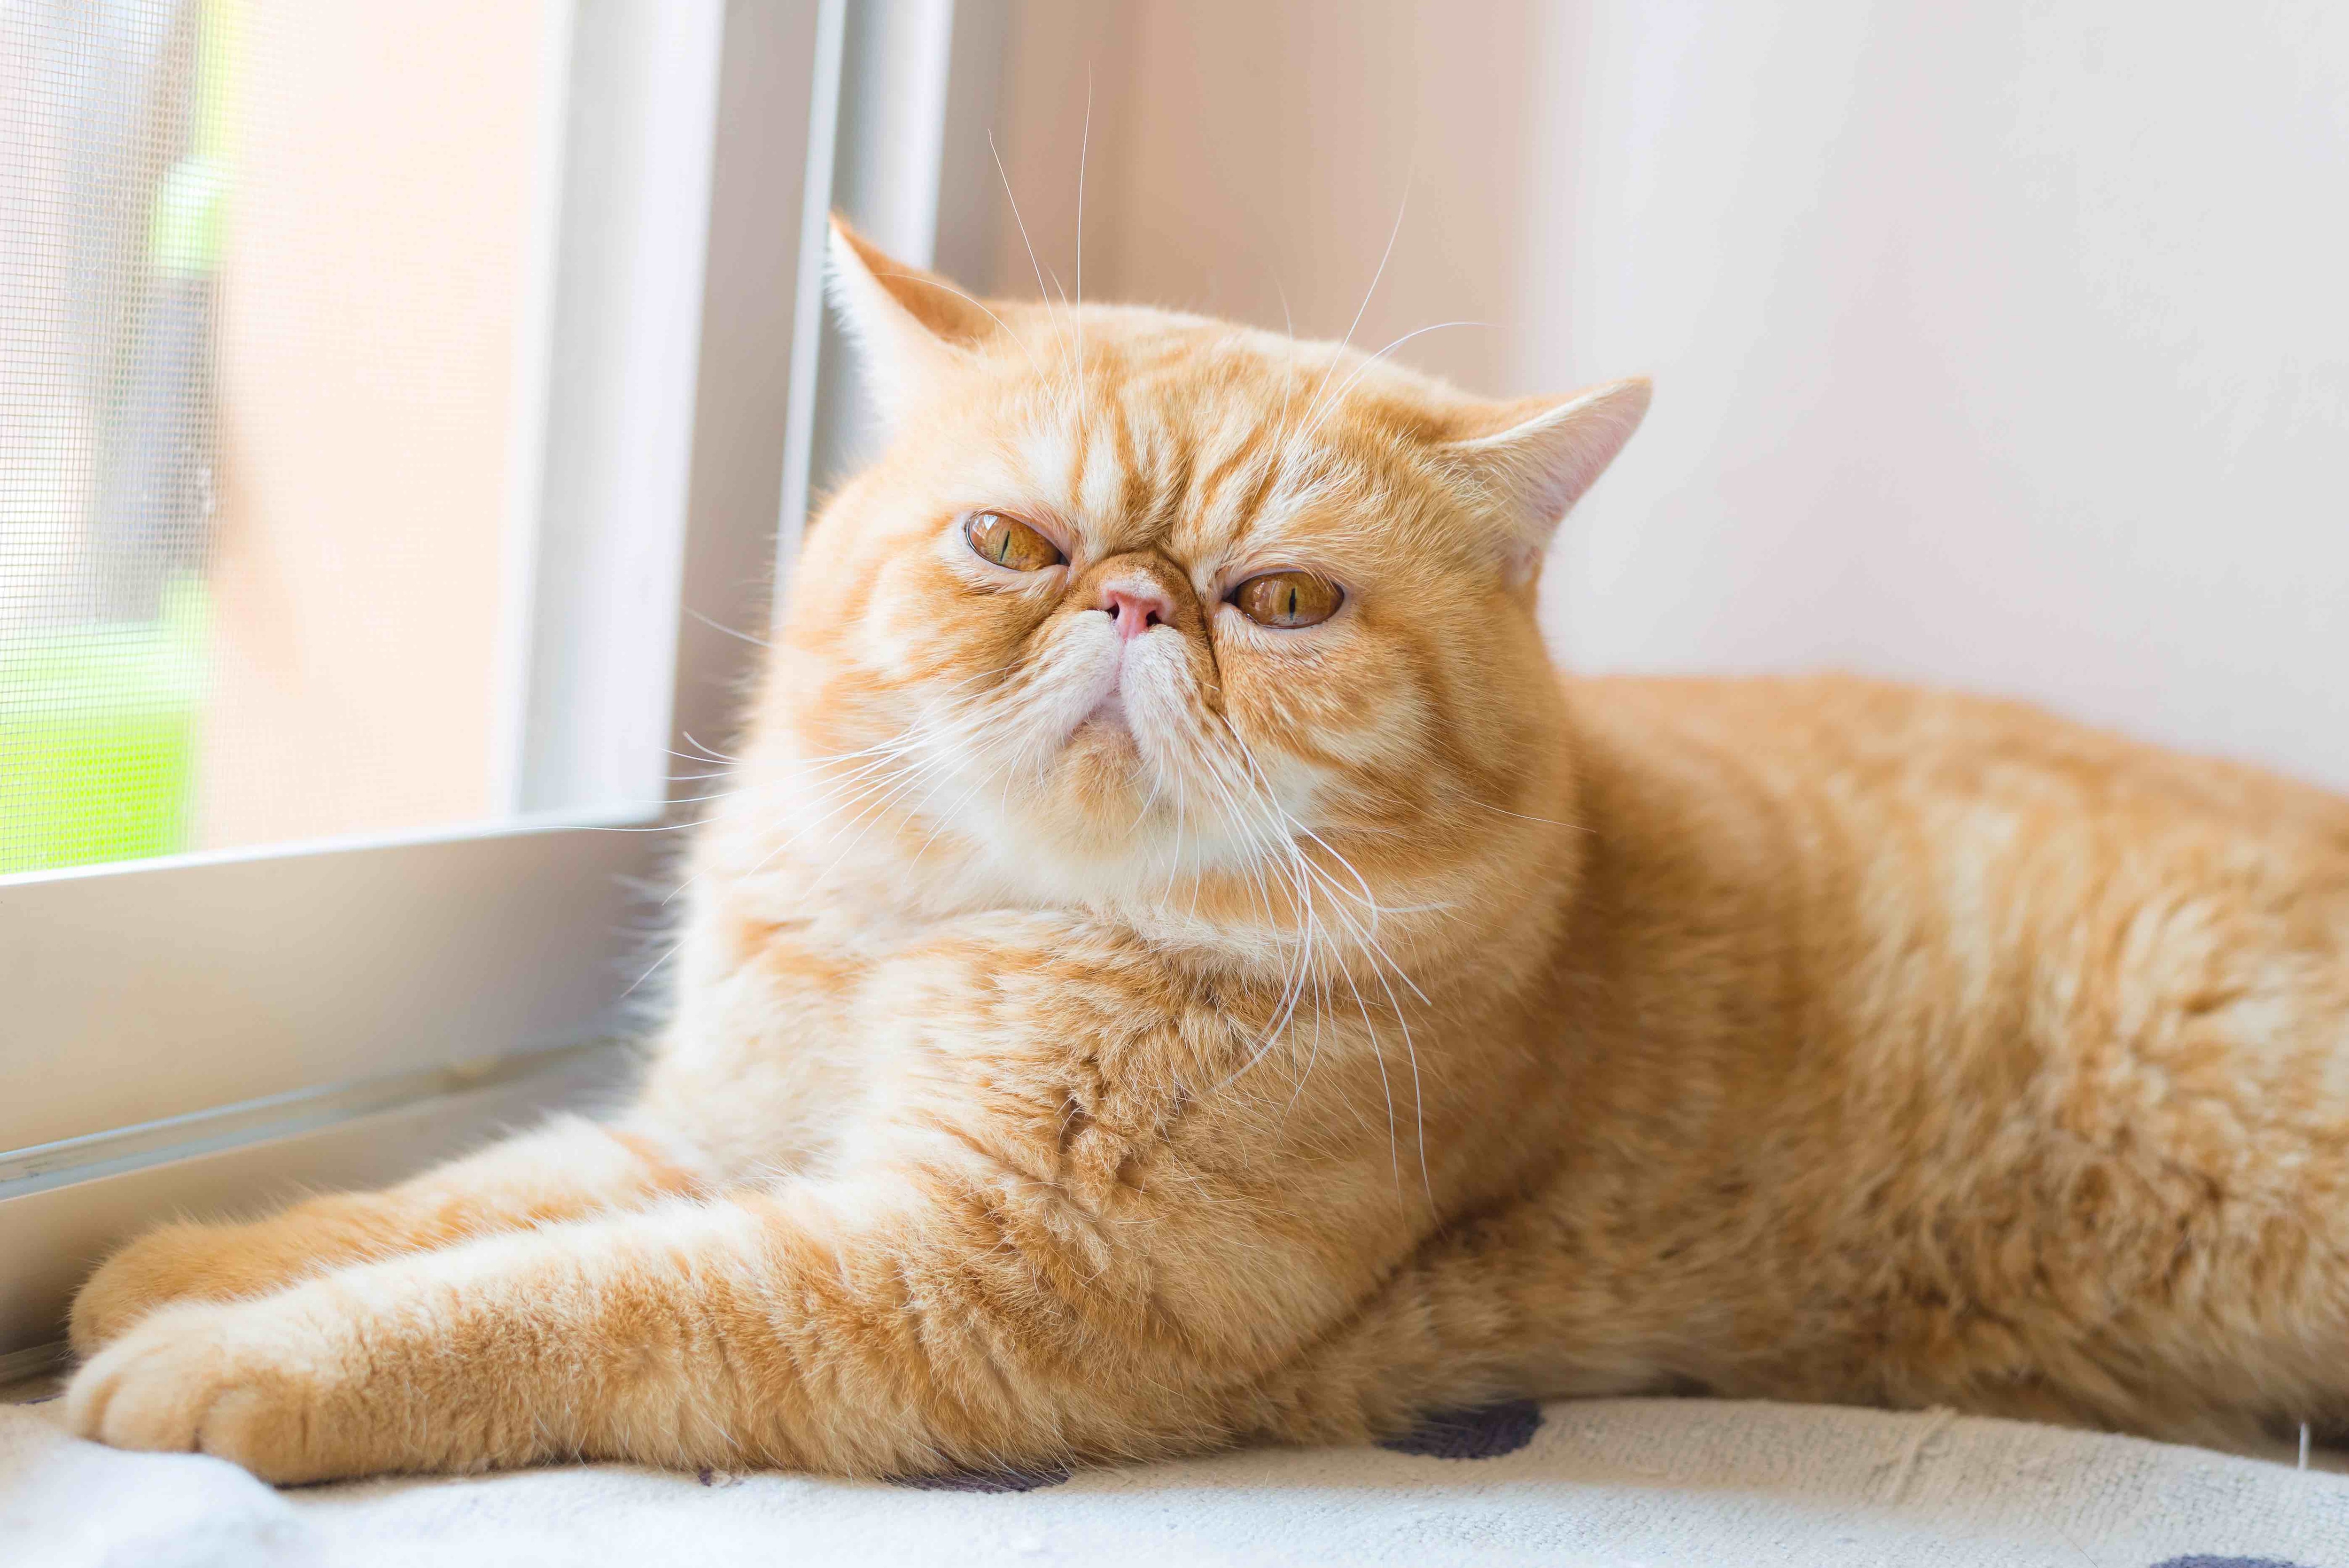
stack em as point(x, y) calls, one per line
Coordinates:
point(2003, 346)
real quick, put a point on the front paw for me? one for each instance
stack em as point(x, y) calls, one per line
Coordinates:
point(277, 1385)
point(172, 1262)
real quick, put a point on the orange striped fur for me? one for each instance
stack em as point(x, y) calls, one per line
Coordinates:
point(1325, 1023)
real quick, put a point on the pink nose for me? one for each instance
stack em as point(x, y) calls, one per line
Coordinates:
point(1135, 606)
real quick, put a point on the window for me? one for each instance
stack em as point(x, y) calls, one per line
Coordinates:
point(395, 409)
point(273, 301)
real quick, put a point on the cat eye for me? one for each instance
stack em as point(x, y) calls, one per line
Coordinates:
point(1009, 542)
point(1289, 599)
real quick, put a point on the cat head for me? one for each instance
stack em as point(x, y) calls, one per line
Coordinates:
point(1140, 606)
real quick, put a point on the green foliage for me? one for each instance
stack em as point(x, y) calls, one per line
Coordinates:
point(98, 739)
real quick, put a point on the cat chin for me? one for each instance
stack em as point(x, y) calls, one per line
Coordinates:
point(1101, 776)
point(1105, 734)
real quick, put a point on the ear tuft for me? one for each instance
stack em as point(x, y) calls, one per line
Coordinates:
point(910, 326)
point(1538, 457)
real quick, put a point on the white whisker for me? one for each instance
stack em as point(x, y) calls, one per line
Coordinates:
point(721, 626)
point(1044, 293)
point(1338, 398)
point(1368, 295)
point(1084, 145)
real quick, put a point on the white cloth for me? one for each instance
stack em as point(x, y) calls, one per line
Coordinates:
point(1615, 1481)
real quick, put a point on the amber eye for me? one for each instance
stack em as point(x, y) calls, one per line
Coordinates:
point(1007, 542)
point(1289, 599)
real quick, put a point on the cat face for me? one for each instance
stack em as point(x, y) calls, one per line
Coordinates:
point(1135, 598)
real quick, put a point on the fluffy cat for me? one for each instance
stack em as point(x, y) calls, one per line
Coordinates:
point(1177, 967)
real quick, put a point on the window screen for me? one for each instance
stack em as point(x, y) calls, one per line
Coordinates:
point(263, 268)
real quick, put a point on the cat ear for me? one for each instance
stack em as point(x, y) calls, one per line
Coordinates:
point(910, 326)
point(1537, 456)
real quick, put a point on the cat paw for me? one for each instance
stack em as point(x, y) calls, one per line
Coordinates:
point(270, 1384)
point(172, 1262)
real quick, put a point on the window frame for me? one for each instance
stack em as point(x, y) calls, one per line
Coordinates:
point(216, 1028)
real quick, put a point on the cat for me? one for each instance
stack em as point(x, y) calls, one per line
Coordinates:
point(1177, 967)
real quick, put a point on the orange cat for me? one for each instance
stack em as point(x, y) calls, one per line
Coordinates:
point(1178, 967)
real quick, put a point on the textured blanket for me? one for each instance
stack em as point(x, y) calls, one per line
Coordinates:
point(1613, 1481)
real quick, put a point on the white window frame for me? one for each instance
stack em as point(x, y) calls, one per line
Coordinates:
point(212, 1030)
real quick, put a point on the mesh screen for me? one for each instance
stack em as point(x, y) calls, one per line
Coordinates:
point(108, 189)
point(260, 267)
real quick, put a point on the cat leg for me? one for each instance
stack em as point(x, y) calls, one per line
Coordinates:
point(564, 1170)
point(1045, 1244)
point(811, 1328)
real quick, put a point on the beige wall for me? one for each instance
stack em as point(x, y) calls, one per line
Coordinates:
point(370, 296)
point(2000, 346)
point(1249, 158)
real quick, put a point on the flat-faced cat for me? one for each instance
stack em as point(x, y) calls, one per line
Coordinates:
point(1177, 966)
